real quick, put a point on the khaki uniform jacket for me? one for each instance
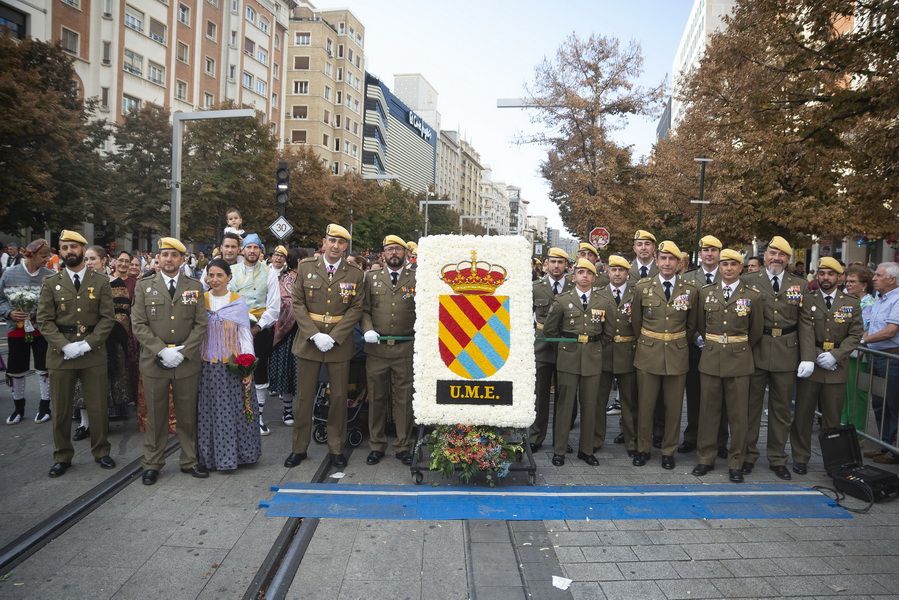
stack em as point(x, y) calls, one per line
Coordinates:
point(316, 300)
point(840, 326)
point(778, 354)
point(61, 305)
point(652, 312)
point(545, 352)
point(567, 318)
point(159, 320)
point(389, 310)
point(742, 315)
point(618, 354)
point(635, 272)
point(697, 276)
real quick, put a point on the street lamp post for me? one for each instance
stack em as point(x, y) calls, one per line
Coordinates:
point(699, 203)
point(427, 201)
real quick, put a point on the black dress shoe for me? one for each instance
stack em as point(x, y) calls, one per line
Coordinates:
point(700, 469)
point(404, 457)
point(105, 462)
point(656, 441)
point(640, 459)
point(338, 460)
point(150, 476)
point(81, 433)
point(747, 467)
point(667, 462)
point(722, 452)
point(59, 469)
point(588, 458)
point(535, 447)
point(294, 458)
point(782, 472)
point(374, 457)
point(800, 468)
point(558, 459)
point(686, 447)
point(199, 471)
point(619, 439)
point(735, 475)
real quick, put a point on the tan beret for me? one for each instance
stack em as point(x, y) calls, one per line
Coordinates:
point(730, 254)
point(588, 247)
point(72, 236)
point(829, 262)
point(710, 241)
point(281, 250)
point(170, 243)
point(557, 253)
point(644, 235)
point(412, 246)
point(335, 230)
point(616, 260)
point(669, 247)
point(393, 239)
point(583, 263)
point(778, 243)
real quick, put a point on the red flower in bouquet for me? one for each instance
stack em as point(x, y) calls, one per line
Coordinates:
point(245, 360)
point(242, 366)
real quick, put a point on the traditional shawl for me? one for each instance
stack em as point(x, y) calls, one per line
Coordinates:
point(222, 339)
point(286, 319)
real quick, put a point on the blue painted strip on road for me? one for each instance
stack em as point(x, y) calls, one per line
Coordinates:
point(408, 502)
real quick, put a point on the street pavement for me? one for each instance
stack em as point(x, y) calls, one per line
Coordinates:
point(190, 538)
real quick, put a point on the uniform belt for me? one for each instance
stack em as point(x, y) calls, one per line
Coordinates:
point(667, 337)
point(325, 318)
point(82, 329)
point(392, 340)
point(726, 339)
point(624, 338)
point(828, 345)
point(779, 331)
point(581, 338)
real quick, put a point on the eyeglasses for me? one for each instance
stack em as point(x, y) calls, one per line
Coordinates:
point(393, 250)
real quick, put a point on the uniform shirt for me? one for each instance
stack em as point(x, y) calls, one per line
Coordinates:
point(166, 280)
point(780, 279)
point(552, 282)
point(673, 282)
point(886, 312)
point(649, 265)
point(581, 295)
point(704, 274)
point(621, 290)
point(80, 273)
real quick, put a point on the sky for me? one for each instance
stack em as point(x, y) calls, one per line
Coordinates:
point(476, 51)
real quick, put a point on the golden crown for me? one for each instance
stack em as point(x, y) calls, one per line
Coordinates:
point(473, 276)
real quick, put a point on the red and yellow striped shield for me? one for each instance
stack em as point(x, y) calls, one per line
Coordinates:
point(474, 334)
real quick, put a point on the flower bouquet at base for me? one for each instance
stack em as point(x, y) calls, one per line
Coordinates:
point(24, 299)
point(471, 449)
point(242, 366)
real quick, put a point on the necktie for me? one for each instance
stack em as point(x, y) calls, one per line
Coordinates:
point(172, 288)
point(556, 288)
point(584, 300)
point(775, 284)
point(330, 271)
point(644, 271)
point(394, 277)
point(77, 281)
point(708, 278)
point(828, 301)
point(617, 296)
point(726, 293)
point(667, 290)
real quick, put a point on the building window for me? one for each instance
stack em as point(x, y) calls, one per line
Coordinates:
point(208, 100)
point(134, 19)
point(300, 87)
point(184, 14)
point(249, 46)
point(183, 52)
point(104, 98)
point(339, 97)
point(327, 93)
point(341, 27)
point(107, 8)
point(298, 136)
point(277, 42)
point(232, 72)
point(356, 128)
point(211, 30)
point(69, 41)
point(337, 121)
point(235, 6)
point(247, 80)
point(129, 104)
point(233, 41)
point(325, 140)
point(355, 151)
point(251, 14)
point(328, 69)
point(274, 100)
point(134, 62)
point(329, 46)
point(210, 66)
point(107, 52)
point(301, 63)
point(263, 25)
point(157, 31)
point(336, 144)
point(335, 168)
point(181, 90)
point(339, 73)
point(357, 63)
point(214, 3)
point(262, 55)
point(327, 117)
point(347, 124)
point(275, 69)
point(302, 38)
point(261, 87)
point(349, 54)
point(156, 73)
point(339, 50)
point(300, 112)
point(73, 3)
point(346, 147)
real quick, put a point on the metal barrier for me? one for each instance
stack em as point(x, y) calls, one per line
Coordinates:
point(877, 382)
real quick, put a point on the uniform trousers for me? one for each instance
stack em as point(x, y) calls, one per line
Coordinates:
point(262, 348)
point(719, 395)
point(307, 384)
point(389, 382)
point(572, 388)
point(781, 385)
point(627, 389)
point(693, 387)
point(809, 396)
point(62, 394)
point(184, 397)
point(545, 374)
point(648, 388)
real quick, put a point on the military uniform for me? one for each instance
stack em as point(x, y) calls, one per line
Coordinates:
point(161, 320)
point(330, 305)
point(64, 315)
point(545, 354)
point(837, 330)
point(389, 309)
point(618, 363)
point(730, 328)
point(776, 357)
point(635, 276)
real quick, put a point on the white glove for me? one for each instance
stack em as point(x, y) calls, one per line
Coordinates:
point(72, 350)
point(700, 343)
point(323, 341)
point(826, 360)
point(806, 368)
point(84, 346)
point(171, 357)
point(371, 336)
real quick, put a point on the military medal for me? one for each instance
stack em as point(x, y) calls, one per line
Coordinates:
point(90, 294)
point(149, 290)
point(62, 306)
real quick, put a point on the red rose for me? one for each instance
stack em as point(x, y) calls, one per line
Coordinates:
point(245, 360)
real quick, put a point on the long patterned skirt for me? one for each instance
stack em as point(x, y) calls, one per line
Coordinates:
point(226, 437)
point(282, 368)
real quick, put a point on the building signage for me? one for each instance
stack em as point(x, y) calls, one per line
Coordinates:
point(416, 122)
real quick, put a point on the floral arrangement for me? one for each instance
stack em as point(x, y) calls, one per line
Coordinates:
point(23, 299)
point(242, 366)
point(470, 449)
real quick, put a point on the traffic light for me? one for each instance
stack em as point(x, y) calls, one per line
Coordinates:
point(282, 183)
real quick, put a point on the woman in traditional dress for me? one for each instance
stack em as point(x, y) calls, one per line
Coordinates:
point(282, 368)
point(123, 285)
point(227, 419)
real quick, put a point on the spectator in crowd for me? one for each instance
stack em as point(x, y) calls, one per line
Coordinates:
point(753, 264)
point(283, 366)
point(860, 283)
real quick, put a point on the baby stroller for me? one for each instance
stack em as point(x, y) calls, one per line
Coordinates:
point(356, 392)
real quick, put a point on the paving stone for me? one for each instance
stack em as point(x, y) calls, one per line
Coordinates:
point(379, 555)
point(488, 531)
point(861, 565)
point(493, 553)
point(623, 538)
point(218, 527)
point(684, 589)
point(319, 572)
point(651, 553)
point(592, 571)
point(608, 554)
point(352, 589)
point(711, 551)
point(753, 567)
point(540, 571)
point(501, 592)
point(569, 554)
point(573, 538)
point(545, 590)
point(632, 590)
point(592, 525)
point(63, 581)
point(130, 541)
point(173, 573)
point(231, 578)
point(648, 570)
point(762, 550)
point(700, 569)
point(531, 554)
point(798, 565)
point(823, 585)
point(586, 590)
point(744, 587)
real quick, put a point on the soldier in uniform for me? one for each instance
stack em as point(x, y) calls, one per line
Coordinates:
point(709, 256)
point(730, 324)
point(618, 357)
point(327, 302)
point(644, 264)
point(169, 320)
point(589, 251)
point(830, 328)
point(75, 316)
point(579, 314)
point(388, 309)
point(776, 356)
point(664, 316)
point(544, 290)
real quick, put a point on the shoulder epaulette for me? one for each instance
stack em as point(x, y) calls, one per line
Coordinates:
point(708, 285)
point(309, 259)
point(148, 276)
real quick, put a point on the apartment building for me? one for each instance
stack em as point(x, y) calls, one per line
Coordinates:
point(496, 205)
point(449, 167)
